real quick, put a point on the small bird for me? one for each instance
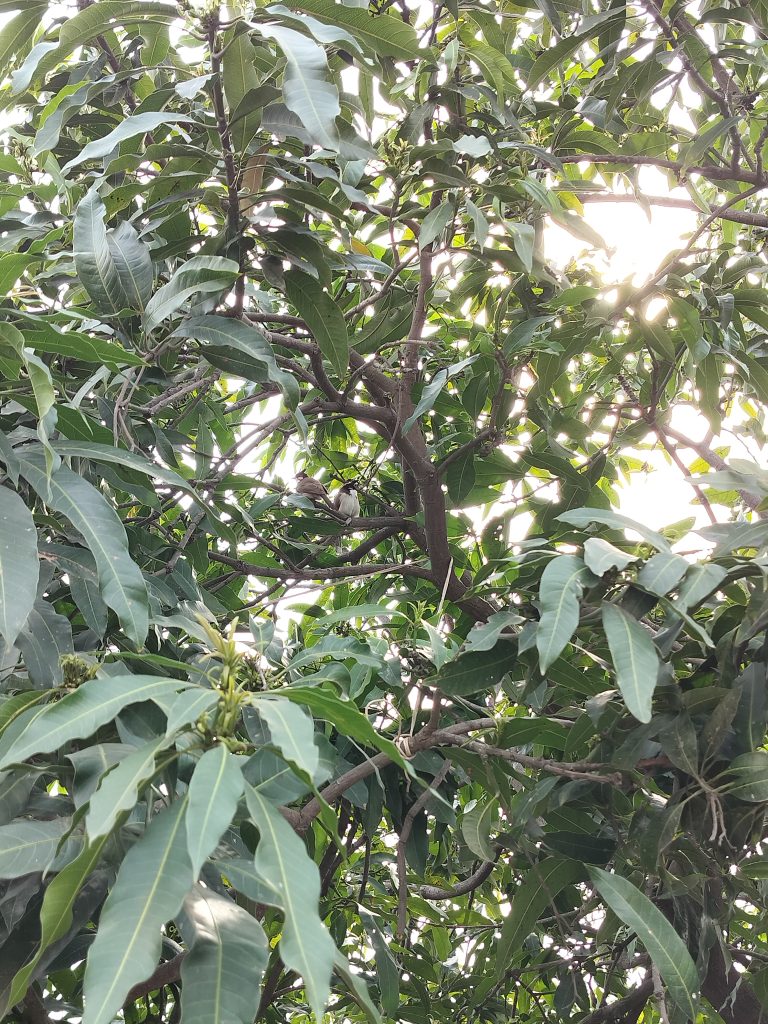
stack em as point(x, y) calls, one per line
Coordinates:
point(311, 488)
point(346, 502)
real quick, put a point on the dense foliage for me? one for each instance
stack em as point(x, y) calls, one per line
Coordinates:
point(489, 751)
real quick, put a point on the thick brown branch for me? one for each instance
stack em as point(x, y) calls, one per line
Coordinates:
point(320, 573)
point(620, 1009)
point(758, 220)
point(164, 974)
point(468, 884)
point(709, 171)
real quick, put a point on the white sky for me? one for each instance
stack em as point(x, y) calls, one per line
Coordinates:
point(637, 245)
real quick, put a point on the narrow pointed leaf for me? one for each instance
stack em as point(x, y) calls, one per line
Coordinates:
point(153, 880)
point(93, 259)
point(635, 660)
point(131, 460)
point(19, 564)
point(120, 580)
point(41, 730)
point(600, 556)
point(284, 865)
point(200, 274)
point(27, 846)
point(307, 90)
point(344, 716)
point(224, 332)
point(119, 789)
point(476, 827)
point(666, 948)
point(384, 35)
point(292, 731)
point(133, 264)
point(324, 318)
point(751, 777)
point(56, 911)
point(129, 128)
point(214, 792)
point(559, 593)
point(539, 887)
point(476, 671)
point(228, 952)
point(663, 572)
point(583, 517)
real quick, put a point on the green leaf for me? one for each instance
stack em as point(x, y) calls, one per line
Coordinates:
point(600, 556)
point(120, 580)
point(19, 565)
point(153, 880)
point(56, 911)
point(27, 846)
point(199, 274)
point(284, 866)
point(292, 731)
point(539, 887)
point(45, 638)
point(42, 387)
point(680, 743)
point(523, 239)
point(41, 730)
point(19, 31)
point(476, 671)
point(476, 825)
point(228, 953)
point(94, 262)
point(549, 10)
point(663, 572)
point(95, 20)
point(119, 789)
point(129, 128)
point(387, 968)
point(119, 456)
point(460, 478)
point(434, 224)
point(559, 592)
point(223, 331)
point(666, 948)
point(385, 35)
point(323, 317)
point(358, 612)
point(751, 772)
point(433, 389)
point(133, 264)
point(344, 716)
point(588, 849)
point(43, 337)
point(306, 88)
point(582, 517)
point(635, 660)
point(214, 792)
point(188, 706)
point(357, 988)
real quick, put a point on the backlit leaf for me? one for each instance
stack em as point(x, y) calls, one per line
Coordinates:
point(667, 949)
point(635, 660)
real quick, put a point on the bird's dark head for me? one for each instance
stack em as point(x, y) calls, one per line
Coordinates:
point(301, 475)
point(349, 486)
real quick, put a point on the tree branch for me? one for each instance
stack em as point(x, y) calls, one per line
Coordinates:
point(619, 1009)
point(164, 974)
point(713, 173)
point(469, 884)
point(405, 832)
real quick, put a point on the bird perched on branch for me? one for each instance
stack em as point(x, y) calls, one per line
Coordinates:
point(346, 502)
point(311, 488)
